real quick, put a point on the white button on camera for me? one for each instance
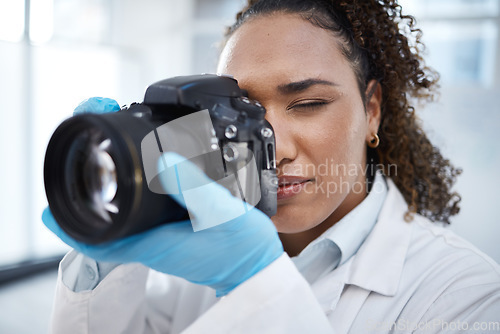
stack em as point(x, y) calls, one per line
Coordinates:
point(266, 132)
point(230, 153)
point(231, 131)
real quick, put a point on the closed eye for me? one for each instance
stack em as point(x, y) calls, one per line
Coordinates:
point(310, 105)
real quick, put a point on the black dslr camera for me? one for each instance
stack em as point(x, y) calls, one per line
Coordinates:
point(102, 171)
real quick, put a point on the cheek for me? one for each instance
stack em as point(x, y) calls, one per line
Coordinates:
point(339, 139)
point(333, 147)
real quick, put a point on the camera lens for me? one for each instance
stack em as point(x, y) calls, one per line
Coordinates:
point(94, 179)
point(91, 173)
point(100, 171)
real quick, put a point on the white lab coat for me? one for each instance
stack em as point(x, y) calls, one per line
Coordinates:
point(406, 277)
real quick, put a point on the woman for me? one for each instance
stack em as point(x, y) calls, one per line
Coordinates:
point(360, 185)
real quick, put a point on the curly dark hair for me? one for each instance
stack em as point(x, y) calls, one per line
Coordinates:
point(383, 44)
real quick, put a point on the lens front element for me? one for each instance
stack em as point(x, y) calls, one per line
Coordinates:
point(91, 173)
point(99, 176)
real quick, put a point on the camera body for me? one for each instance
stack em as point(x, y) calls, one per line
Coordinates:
point(102, 171)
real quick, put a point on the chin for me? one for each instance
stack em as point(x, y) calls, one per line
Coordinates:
point(291, 225)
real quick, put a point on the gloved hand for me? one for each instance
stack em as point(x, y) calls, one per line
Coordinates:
point(97, 105)
point(222, 256)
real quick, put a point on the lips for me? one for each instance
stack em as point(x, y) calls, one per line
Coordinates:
point(290, 186)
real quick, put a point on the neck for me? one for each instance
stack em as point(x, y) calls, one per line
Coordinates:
point(294, 243)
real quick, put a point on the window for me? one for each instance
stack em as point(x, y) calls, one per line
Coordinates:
point(45, 74)
point(462, 40)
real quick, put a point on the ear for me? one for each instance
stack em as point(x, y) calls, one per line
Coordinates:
point(373, 108)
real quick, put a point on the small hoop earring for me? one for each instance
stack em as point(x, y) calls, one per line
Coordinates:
point(374, 142)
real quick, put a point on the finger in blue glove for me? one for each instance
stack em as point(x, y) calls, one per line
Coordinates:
point(97, 105)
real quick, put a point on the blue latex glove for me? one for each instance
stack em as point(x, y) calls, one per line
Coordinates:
point(97, 105)
point(222, 256)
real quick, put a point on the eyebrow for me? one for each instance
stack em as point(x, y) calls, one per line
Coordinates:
point(300, 86)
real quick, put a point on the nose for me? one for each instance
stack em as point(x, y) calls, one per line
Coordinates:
point(286, 148)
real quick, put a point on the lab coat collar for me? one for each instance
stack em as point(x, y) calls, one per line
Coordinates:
point(378, 264)
point(341, 241)
point(351, 231)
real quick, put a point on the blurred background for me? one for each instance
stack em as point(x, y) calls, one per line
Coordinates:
point(56, 53)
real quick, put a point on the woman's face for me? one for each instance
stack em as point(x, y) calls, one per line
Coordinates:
point(313, 102)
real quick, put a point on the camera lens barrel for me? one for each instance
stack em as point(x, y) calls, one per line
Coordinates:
point(94, 178)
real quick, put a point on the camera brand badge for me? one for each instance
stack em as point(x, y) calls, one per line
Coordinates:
point(192, 137)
